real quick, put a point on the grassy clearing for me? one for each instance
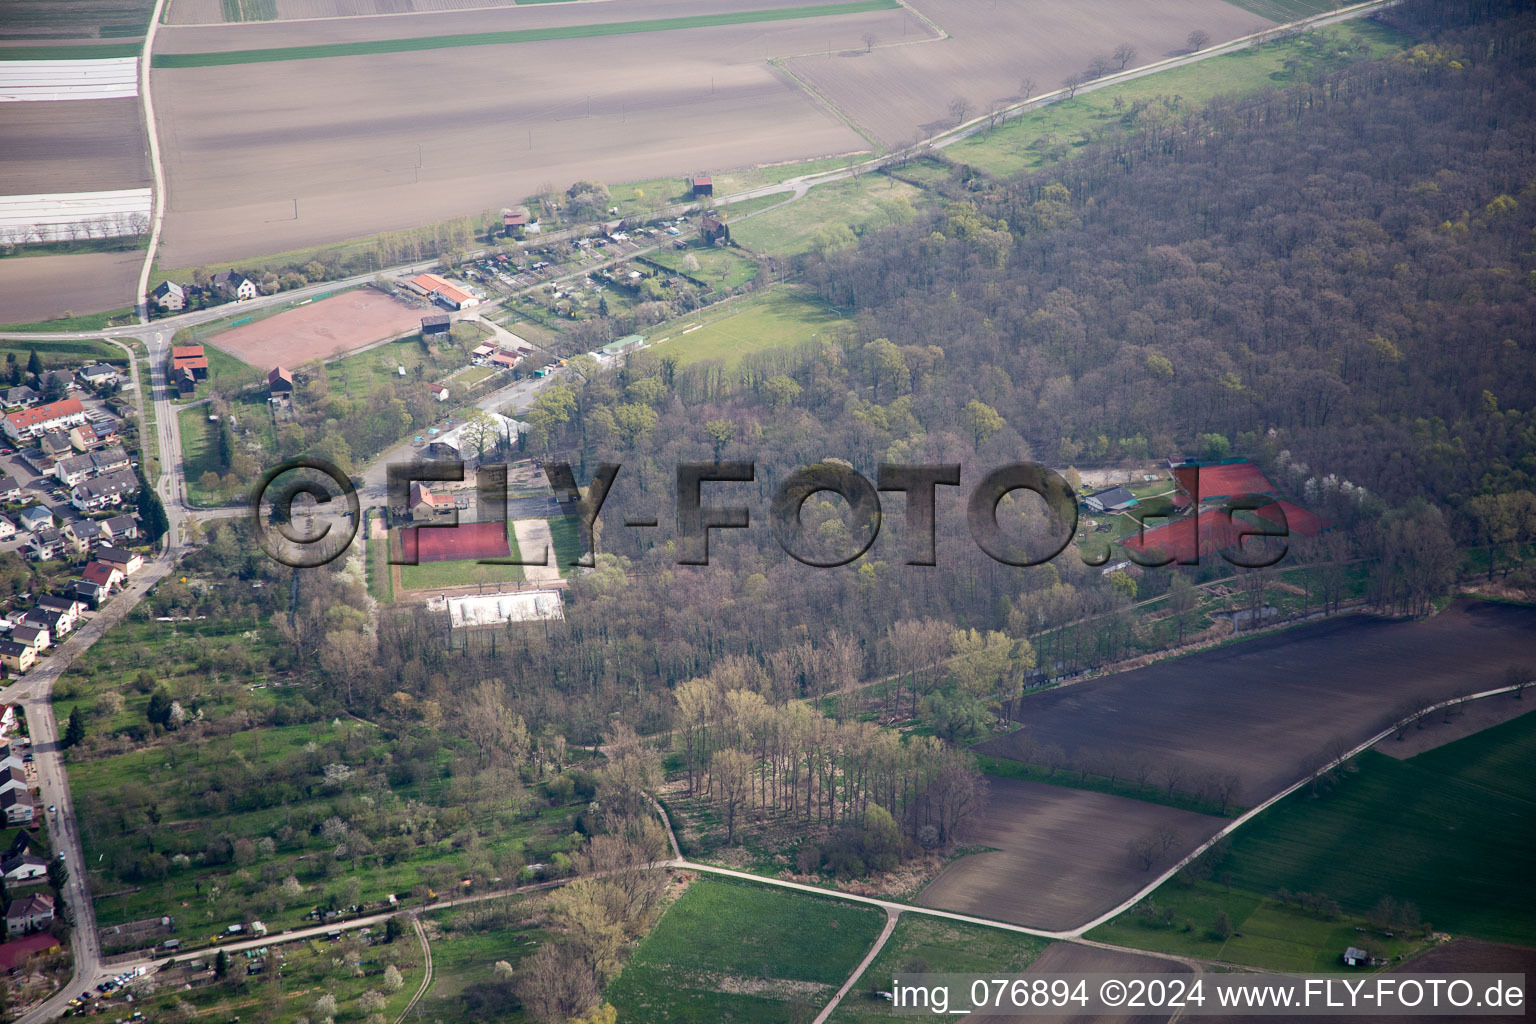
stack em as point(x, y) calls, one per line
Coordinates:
point(466, 944)
point(925, 944)
point(199, 452)
point(722, 268)
point(1442, 831)
point(119, 243)
point(776, 318)
point(740, 952)
point(1050, 133)
point(199, 60)
point(855, 203)
point(63, 355)
point(72, 324)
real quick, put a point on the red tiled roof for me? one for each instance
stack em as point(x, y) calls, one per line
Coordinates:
point(99, 573)
point(185, 351)
point(27, 418)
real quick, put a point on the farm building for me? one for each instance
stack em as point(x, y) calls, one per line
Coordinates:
point(435, 326)
point(498, 609)
point(701, 185)
point(169, 295)
point(442, 291)
point(1113, 499)
point(514, 220)
point(185, 381)
point(279, 383)
point(1219, 482)
point(1356, 957)
point(712, 227)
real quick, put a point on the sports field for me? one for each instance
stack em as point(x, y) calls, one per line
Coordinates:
point(778, 318)
point(734, 951)
point(320, 330)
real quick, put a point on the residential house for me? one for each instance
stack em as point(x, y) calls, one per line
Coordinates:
point(33, 636)
point(21, 866)
point(279, 383)
point(439, 392)
point(102, 575)
point(120, 528)
point(108, 489)
point(185, 381)
point(125, 562)
point(35, 517)
point(73, 470)
point(7, 528)
point(55, 445)
point(14, 955)
point(84, 534)
point(28, 914)
point(99, 375)
point(169, 296)
point(18, 807)
point(56, 382)
point(29, 423)
point(20, 397)
point(10, 488)
point(8, 759)
point(16, 656)
point(12, 777)
point(56, 623)
point(60, 603)
point(427, 504)
point(92, 594)
point(84, 437)
point(234, 285)
point(47, 543)
point(712, 227)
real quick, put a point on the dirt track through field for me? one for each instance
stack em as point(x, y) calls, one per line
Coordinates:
point(1264, 707)
point(320, 329)
point(1060, 854)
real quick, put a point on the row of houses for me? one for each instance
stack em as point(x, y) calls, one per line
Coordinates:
point(230, 285)
point(25, 396)
point(57, 615)
point(78, 536)
point(25, 424)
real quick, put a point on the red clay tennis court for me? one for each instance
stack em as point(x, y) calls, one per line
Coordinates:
point(454, 543)
point(320, 330)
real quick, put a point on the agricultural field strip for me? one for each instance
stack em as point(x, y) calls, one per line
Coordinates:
point(41, 80)
point(198, 60)
point(90, 208)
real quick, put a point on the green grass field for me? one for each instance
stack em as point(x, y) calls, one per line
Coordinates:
point(923, 944)
point(1443, 830)
point(733, 951)
point(200, 60)
point(776, 318)
point(792, 229)
point(86, 321)
point(63, 355)
point(466, 944)
point(1035, 139)
point(722, 268)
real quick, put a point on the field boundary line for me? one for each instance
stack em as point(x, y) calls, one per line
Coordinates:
point(1253, 812)
point(156, 170)
point(891, 915)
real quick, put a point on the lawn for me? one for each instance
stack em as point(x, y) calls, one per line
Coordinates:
point(855, 203)
point(1442, 831)
point(734, 951)
point(352, 49)
point(87, 321)
point(921, 945)
point(226, 374)
point(776, 318)
point(1040, 136)
point(63, 355)
point(466, 945)
point(199, 453)
point(721, 268)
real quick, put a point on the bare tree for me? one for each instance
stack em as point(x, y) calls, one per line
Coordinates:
point(1072, 83)
point(1173, 773)
point(959, 107)
point(1101, 66)
point(1026, 87)
point(1519, 676)
point(1198, 40)
point(732, 771)
point(1124, 54)
point(869, 41)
